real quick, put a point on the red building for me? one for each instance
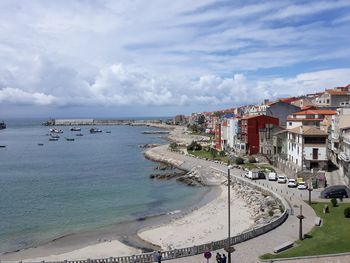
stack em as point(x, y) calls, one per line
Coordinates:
point(250, 126)
point(218, 136)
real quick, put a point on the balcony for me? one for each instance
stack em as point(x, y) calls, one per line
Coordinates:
point(343, 156)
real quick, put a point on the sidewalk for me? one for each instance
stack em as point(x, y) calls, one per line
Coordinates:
point(250, 250)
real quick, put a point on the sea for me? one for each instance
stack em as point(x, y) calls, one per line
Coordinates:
point(63, 187)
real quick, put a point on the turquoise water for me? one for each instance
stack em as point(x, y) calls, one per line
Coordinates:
point(67, 187)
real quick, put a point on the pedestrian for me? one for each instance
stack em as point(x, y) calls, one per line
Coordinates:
point(223, 259)
point(159, 257)
point(218, 258)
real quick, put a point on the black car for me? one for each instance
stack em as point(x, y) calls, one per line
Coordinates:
point(339, 191)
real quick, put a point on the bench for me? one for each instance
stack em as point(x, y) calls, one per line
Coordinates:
point(283, 246)
point(318, 221)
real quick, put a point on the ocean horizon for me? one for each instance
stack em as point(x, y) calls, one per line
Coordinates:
point(65, 187)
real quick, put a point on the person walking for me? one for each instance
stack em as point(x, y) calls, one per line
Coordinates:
point(159, 257)
point(223, 259)
point(218, 258)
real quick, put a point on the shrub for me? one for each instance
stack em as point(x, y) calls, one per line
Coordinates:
point(173, 145)
point(347, 212)
point(239, 161)
point(194, 146)
point(271, 212)
point(252, 159)
point(334, 202)
point(213, 152)
point(222, 153)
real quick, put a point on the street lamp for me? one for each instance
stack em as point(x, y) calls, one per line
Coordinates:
point(301, 217)
point(310, 190)
point(229, 249)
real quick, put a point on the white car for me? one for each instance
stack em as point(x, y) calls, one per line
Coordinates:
point(302, 186)
point(272, 176)
point(282, 179)
point(292, 183)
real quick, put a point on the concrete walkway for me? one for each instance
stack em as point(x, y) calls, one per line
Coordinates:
point(249, 251)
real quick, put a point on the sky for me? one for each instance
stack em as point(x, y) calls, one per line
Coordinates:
point(75, 58)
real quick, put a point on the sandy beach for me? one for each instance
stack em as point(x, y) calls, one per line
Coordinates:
point(208, 223)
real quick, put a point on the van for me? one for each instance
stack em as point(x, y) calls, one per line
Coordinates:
point(272, 176)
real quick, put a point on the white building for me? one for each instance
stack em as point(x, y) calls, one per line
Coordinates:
point(307, 148)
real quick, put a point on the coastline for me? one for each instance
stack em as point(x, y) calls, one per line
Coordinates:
point(122, 238)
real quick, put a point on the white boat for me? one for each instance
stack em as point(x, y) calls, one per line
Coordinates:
point(75, 129)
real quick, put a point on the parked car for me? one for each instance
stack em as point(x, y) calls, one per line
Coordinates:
point(282, 179)
point(336, 193)
point(302, 186)
point(272, 176)
point(292, 183)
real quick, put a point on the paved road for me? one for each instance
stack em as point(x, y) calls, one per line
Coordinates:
point(249, 251)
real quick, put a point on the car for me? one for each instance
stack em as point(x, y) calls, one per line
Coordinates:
point(282, 179)
point(336, 193)
point(272, 176)
point(302, 186)
point(292, 183)
point(261, 175)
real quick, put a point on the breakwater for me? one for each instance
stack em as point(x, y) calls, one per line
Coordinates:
point(79, 122)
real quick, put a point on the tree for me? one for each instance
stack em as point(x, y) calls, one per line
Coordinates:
point(194, 146)
point(252, 159)
point(201, 119)
point(173, 145)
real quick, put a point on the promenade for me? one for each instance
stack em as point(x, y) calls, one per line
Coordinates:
point(249, 251)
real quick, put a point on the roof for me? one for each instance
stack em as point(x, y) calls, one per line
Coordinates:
point(304, 119)
point(257, 116)
point(336, 92)
point(286, 100)
point(280, 132)
point(308, 130)
point(309, 112)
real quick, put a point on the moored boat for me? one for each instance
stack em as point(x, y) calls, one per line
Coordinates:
point(54, 130)
point(70, 139)
point(75, 129)
point(79, 134)
point(95, 130)
point(53, 139)
point(2, 125)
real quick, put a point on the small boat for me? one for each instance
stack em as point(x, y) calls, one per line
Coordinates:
point(79, 134)
point(70, 139)
point(75, 129)
point(53, 139)
point(56, 136)
point(2, 146)
point(108, 132)
point(2, 125)
point(95, 130)
point(40, 144)
point(54, 130)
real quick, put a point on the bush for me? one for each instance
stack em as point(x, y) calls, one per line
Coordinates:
point(239, 161)
point(213, 152)
point(347, 212)
point(252, 159)
point(194, 146)
point(173, 145)
point(271, 212)
point(334, 202)
point(222, 153)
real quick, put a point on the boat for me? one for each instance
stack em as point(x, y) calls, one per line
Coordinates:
point(108, 132)
point(2, 146)
point(95, 130)
point(54, 130)
point(56, 136)
point(79, 134)
point(70, 139)
point(53, 139)
point(2, 125)
point(75, 129)
point(40, 144)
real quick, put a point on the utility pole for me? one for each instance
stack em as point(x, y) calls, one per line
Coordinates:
point(301, 217)
point(229, 249)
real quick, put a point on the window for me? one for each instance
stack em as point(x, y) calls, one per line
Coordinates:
point(315, 153)
point(290, 123)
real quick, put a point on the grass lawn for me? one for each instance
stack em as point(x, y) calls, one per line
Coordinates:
point(332, 237)
point(205, 154)
point(249, 166)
